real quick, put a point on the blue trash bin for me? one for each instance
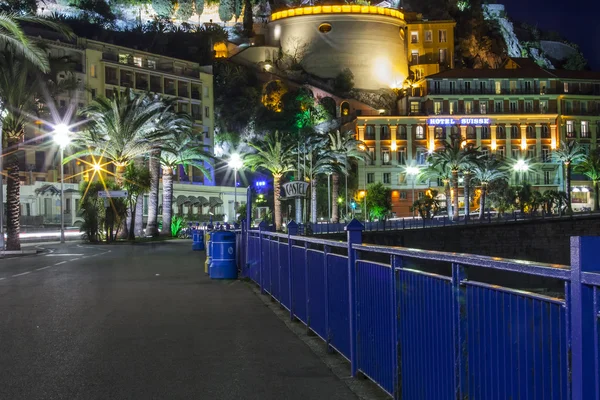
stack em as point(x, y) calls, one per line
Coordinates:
point(198, 240)
point(223, 264)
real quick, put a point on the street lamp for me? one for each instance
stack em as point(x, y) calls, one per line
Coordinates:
point(62, 137)
point(362, 147)
point(522, 167)
point(413, 171)
point(3, 114)
point(235, 162)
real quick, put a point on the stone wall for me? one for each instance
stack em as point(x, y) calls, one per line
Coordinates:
point(544, 241)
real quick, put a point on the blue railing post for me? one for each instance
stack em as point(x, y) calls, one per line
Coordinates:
point(459, 326)
point(306, 293)
point(292, 231)
point(584, 318)
point(396, 263)
point(261, 228)
point(354, 233)
point(326, 287)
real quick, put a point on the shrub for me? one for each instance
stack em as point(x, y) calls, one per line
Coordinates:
point(344, 81)
point(177, 224)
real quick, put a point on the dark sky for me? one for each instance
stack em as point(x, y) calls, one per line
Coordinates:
point(576, 20)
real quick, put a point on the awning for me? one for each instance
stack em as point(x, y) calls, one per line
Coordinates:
point(215, 201)
point(192, 201)
point(181, 200)
point(203, 201)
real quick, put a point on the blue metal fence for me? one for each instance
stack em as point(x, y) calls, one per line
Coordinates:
point(439, 335)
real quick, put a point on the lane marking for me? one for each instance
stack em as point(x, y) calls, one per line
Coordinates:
point(47, 266)
point(1, 279)
point(62, 262)
point(21, 274)
point(64, 255)
point(74, 259)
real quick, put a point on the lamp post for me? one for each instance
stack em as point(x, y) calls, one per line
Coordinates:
point(522, 167)
point(413, 171)
point(235, 162)
point(364, 148)
point(3, 114)
point(62, 138)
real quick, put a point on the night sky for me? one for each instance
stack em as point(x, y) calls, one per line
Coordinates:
point(576, 20)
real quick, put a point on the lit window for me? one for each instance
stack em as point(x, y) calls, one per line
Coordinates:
point(123, 58)
point(453, 107)
point(414, 37)
point(443, 53)
point(543, 106)
point(428, 36)
point(415, 107)
point(442, 36)
point(437, 107)
point(566, 87)
point(570, 129)
point(151, 64)
point(414, 56)
point(440, 132)
point(542, 87)
point(385, 157)
point(498, 87)
point(420, 133)
point(468, 107)
point(93, 71)
point(483, 107)
point(585, 129)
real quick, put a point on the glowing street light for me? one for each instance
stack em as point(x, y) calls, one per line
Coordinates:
point(62, 137)
point(413, 171)
point(235, 162)
point(522, 167)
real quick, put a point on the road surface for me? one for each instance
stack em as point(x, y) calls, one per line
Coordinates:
point(143, 322)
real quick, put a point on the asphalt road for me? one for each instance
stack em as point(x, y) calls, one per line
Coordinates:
point(143, 322)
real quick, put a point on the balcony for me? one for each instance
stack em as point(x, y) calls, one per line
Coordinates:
point(488, 91)
point(166, 67)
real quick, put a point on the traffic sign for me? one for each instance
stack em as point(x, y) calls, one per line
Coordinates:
point(112, 193)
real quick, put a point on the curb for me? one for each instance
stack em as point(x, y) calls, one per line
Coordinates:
point(18, 253)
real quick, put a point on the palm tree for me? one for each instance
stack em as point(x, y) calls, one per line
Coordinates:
point(318, 160)
point(179, 150)
point(590, 167)
point(275, 154)
point(569, 154)
point(454, 158)
point(172, 127)
point(487, 170)
point(12, 37)
point(345, 149)
point(121, 129)
point(24, 90)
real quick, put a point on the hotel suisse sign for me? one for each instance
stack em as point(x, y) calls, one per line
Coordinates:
point(461, 121)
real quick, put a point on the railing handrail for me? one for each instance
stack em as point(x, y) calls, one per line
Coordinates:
point(505, 264)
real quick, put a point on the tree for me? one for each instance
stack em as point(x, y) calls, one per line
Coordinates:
point(14, 40)
point(226, 10)
point(199, 7)
point(428, 206)
point(121, 129)
point(237, 8)
point(164, 8)
point(568, 154)
point(180, 150)
point(275, 154)
point(590, 167)
point(379, 200)
point(318, 159)
point(488, 169)
point(436, 172)
point(344, 81)
point(502, 196)
point(23, 92)
point(248, 19)
point(185, 10)
point(137, 182)
point(345, 150)
point(454, 158)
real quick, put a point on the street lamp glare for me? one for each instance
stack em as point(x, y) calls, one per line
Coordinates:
point(521, 165)
point(97, 167)
point(235, 161)
point(412, 170)
point(62, 135)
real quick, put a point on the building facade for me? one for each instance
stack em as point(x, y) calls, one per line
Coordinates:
point(99, 68)
point(519, 112)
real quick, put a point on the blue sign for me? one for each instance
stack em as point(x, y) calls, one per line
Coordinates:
point(260, 183)
point(461, 121)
